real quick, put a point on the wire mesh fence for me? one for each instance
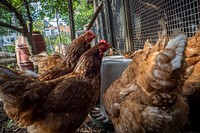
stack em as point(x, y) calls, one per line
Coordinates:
point(178, 14)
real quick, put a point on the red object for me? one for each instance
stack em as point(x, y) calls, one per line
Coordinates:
point(22, 52)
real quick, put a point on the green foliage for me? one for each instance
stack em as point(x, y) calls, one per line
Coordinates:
point(65, 38)
point(51, 7)
point(5, 16)
point(82, 14)
point(10, 48)
point(3, 31)
point(47, 9)
point(16, 3)
point(10, 122)
point(9, 17)
point(82, 11)
point(52, 41)
point(38, 25)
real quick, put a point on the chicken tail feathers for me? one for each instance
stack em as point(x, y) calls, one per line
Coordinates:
point(8, 88)
point(177, 45)
point(167, 70)
point(6, 73)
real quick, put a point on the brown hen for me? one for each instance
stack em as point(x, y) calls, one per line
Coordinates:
point(54, 106)
point(77, 47)
point(45, 62)
point(191, 84)
point(146, 98)
point(192, 59)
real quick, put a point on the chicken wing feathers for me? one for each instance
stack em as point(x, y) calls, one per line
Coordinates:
point(70, 95)
point(7, 74)
point(146, 98)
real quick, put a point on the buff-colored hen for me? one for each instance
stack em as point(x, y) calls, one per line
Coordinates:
point(191, 81)
point(146, 97)
point(45, 61)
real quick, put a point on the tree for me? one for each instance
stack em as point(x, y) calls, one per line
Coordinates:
point(38, 25)
point(82, 14)
point(51, 7)
point(25, 14)
point(7, 17)
point(82, 11)
point(21, 10)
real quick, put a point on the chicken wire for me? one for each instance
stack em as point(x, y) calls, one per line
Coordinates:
point(178, 14)
point(112, 24)
point(118, 23)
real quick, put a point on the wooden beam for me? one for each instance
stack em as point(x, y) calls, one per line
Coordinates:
point(71, 18)
point(110, 23)
point(129, 35)
point(95, 16)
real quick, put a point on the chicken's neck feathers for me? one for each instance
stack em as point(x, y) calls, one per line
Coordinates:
point(74, 51)
point(78, 47)
point(89, 64)
point(88, 68)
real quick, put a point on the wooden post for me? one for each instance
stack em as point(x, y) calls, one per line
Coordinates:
point(71, 17)
point(104, 25)
point(59, 36)
point(95, 16)
point(129, 36)
point(110, 23)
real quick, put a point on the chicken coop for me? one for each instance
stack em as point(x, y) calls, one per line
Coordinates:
point(127, 24)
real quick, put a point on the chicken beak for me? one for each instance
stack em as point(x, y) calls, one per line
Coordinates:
point(108, 48)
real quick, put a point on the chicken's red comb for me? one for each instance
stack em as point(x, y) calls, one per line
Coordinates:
point(103, 41)
point(89, 31)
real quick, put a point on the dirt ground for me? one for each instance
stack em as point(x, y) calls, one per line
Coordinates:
point(8, 126)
